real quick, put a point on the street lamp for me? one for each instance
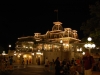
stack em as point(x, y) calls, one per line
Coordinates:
point(89, 45)
point(9, 47)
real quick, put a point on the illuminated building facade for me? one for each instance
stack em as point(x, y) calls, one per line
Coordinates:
point(59, 42)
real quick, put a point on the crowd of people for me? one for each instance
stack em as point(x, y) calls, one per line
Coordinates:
point(6, 63)
point(63, 67)
point(79, 66)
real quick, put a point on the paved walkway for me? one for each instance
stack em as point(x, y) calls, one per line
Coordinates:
point(96, 73)
point(32, 70)
point(29, 70)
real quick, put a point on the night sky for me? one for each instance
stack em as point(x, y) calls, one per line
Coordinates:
point(19, 20)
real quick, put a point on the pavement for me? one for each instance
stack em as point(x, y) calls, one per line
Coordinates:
point(32, 70)
point(29, 70)
point(96, 73)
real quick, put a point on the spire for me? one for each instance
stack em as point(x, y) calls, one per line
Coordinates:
point(57, 13)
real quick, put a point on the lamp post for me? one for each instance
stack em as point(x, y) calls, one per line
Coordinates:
point(89, 45)
point(9, 47)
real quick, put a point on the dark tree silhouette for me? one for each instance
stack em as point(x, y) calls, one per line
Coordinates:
point(92, 26)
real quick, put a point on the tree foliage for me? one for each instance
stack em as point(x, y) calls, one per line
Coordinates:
point(92, 26)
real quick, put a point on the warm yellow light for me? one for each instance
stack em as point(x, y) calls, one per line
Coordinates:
point(89, 45)
point(14, 51)
point(78, 50)
point(15, 54)
point(85, 45)
point(32, 53)
point(26, 47)
point(41, 53)
point(30, 47)
point(61, 41)
point(18, 56)
point(67, 45)
point(83, 53)
point(29, 56)
point(3, 53)
point(24, 56)
point(93, 45)
point(37, 40)
point(55, 46)
point(38, 53)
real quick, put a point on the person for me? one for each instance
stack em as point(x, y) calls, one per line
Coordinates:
point(72, 61)
point(61, 68)
point(23, 61)
point(27, 62)
point(47, 64)
point(51, 67)
point(64, 62)
point(11, 62)
point(99, 64)
point(53, 61)
point(88, 62)
point(78, 62)
point(57, 66)
point(73, 71)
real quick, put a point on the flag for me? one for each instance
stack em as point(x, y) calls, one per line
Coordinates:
point(55, 10)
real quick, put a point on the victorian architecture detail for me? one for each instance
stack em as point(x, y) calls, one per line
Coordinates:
point(59, 42)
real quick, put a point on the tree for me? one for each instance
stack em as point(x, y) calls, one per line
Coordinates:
point(92, 26)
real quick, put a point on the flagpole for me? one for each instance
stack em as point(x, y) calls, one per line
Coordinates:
point(57, 13)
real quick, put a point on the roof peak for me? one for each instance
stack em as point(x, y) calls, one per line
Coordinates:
point(57, 23)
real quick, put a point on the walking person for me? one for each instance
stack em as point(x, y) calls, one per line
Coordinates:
point(27, 62)
point(23, 61)
point(57, 66)
point(11, 62)
point(88, 62)
point(99, 64)
point(46, 64)
point(72, 61)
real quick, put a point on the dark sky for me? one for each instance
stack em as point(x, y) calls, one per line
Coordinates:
point(26, 19)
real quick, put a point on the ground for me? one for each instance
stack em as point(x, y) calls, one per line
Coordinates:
point(32, 70)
